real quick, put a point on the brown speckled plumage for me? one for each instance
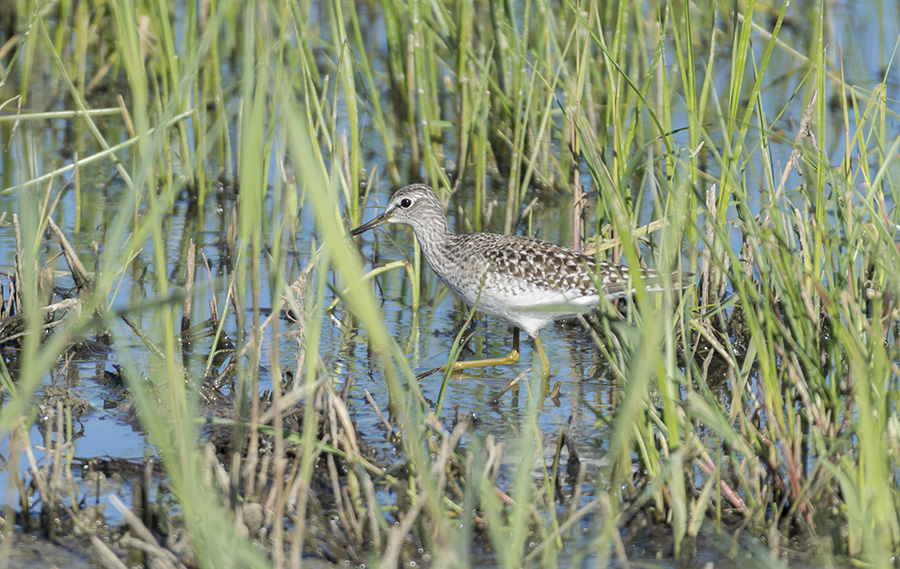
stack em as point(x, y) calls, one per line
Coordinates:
point(527, 282)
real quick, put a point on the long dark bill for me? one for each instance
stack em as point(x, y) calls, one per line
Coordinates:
point(372, 224)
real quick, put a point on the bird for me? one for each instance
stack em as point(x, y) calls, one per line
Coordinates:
point(524, 281)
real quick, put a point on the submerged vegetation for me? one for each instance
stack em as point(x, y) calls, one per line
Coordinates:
point(755, 412)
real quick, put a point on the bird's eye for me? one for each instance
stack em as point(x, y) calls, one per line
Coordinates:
point(405, 203)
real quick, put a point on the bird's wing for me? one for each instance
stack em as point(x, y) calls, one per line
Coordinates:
point(543, 265)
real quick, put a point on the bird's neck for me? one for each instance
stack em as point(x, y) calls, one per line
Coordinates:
point(433, 235)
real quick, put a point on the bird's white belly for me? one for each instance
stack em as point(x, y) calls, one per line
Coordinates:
point(524, 305)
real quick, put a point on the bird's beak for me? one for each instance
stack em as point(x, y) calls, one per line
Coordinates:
point(380, 220)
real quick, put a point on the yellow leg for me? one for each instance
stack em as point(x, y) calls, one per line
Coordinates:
point(512, 358)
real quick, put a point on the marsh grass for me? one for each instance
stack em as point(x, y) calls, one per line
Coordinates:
point(761, 400)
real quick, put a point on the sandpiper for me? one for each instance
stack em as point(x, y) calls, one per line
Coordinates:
point(526, 282)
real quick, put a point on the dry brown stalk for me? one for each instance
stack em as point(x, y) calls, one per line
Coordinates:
point(107, 557)
point(187, 307)
point(145, 539)
point(79, 273)
point(387, 424)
